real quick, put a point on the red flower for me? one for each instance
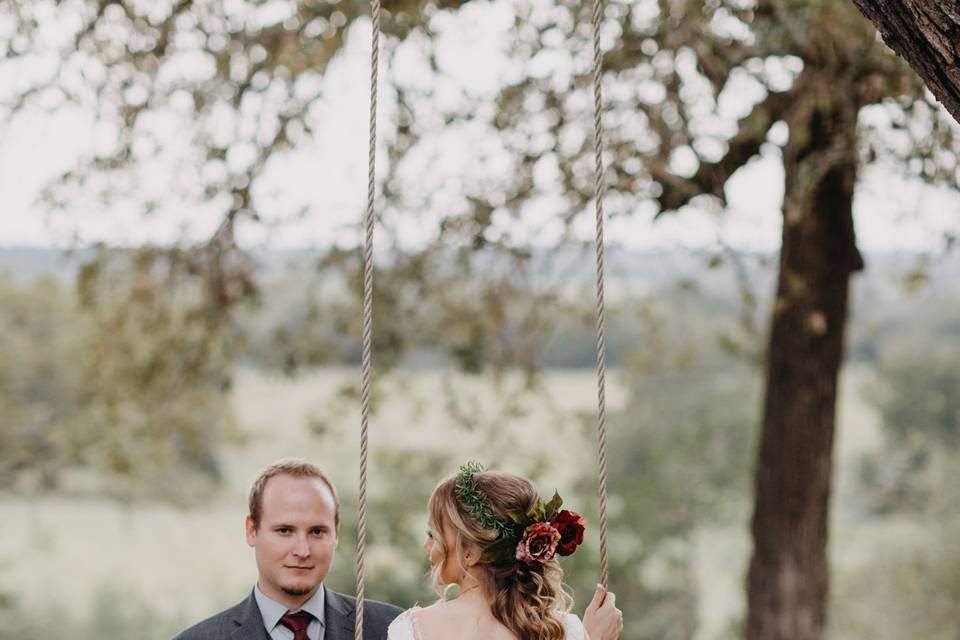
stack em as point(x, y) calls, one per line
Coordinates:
point(539, 544)
point(571, 526)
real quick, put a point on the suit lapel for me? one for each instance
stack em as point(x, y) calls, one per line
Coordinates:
point(248, 621)
point(338, 617)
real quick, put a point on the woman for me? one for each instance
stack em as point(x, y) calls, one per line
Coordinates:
point(490, 534)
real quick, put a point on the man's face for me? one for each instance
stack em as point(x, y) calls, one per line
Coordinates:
point(296, 539)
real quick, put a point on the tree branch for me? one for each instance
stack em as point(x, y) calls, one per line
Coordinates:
point(925, 33)
point(711, 177)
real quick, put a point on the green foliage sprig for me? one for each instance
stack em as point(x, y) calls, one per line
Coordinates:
point(474, 500)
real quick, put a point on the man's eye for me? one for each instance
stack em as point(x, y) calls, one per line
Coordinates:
point(430, 534)
point(317, 532)
point(283, 530)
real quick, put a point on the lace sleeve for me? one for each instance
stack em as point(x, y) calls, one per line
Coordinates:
point(573, 628)
point(403, 627)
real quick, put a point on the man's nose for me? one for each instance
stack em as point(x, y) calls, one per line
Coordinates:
point(302, 548)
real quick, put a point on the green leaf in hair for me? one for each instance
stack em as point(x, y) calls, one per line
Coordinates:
point(474, 501)
point(553, 507)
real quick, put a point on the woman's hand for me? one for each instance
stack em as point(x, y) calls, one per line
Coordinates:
point(602, 619)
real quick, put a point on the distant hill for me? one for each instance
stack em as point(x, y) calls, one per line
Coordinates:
point(25, 264)
point(628, 272)
point(898, 297)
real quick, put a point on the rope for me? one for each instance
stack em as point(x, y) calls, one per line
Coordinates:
point(601, 347)
point(367, 360)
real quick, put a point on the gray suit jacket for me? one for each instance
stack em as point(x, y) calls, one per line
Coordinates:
point(243, 621)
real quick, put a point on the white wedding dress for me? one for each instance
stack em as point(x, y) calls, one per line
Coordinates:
point(405, 627)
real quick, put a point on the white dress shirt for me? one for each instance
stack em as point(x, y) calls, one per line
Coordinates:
point(271, 611)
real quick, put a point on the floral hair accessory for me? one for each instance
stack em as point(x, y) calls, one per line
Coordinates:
point(474, 500)
point(538, 545)
point(532, 538)
point(571, 526)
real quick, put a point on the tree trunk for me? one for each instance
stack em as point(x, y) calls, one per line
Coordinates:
point(925, 33)
point(788, 577)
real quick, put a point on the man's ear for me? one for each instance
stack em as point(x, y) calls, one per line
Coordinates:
point(251, 530)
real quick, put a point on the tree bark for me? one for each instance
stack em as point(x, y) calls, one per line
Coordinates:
point(925, 33)
point(788, 576)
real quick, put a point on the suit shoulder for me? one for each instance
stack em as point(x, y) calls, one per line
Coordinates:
point(382, 608)
point(216, 627)
point(375, 608)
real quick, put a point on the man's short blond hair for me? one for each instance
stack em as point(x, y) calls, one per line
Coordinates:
point(297, 468)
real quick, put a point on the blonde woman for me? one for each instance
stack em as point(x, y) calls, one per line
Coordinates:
point(492, 535)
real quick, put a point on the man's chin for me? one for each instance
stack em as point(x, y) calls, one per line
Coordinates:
point(298, 590)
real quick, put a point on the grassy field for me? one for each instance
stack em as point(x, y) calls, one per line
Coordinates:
point(80, 554)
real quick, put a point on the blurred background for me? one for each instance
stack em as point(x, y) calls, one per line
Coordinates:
point(181, 190)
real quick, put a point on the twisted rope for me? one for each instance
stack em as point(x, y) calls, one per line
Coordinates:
point(367, 359)
point(601, 346)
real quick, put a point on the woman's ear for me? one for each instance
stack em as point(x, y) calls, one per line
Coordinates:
point(471, 557)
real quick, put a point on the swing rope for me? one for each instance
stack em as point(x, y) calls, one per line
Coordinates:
point(367, 339)
point(367, 367)
point(598, 192)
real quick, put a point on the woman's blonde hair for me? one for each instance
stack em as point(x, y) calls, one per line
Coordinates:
point(530, 601)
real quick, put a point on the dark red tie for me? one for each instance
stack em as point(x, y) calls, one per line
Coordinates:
point(298, 623)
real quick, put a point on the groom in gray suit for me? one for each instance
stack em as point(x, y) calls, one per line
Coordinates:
point(293, 527)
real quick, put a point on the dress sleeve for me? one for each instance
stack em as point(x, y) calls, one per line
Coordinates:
point(402, 627)
point(574, 628)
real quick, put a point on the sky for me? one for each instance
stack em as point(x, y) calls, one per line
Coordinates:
point(328, 176)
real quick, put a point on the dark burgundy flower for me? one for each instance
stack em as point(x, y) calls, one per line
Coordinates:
point(571, 526)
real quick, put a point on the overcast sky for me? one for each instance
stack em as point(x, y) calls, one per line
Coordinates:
point(329, 176)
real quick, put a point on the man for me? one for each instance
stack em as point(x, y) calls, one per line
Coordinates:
point(293, 527)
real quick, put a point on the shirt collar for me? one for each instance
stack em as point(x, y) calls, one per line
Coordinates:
point(271, 611)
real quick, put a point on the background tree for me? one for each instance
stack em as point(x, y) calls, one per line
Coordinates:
point(680, 461)
point(914, 396)
point(120, 376)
